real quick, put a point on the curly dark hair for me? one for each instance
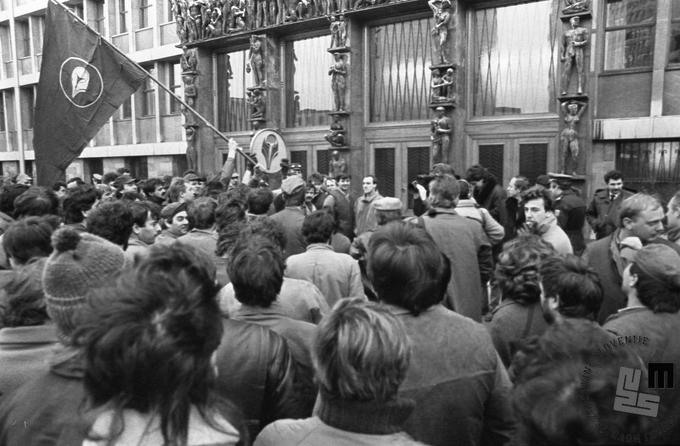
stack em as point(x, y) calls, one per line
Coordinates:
point(517, 270)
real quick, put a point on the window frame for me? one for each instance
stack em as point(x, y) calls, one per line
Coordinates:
point(122, 17)
point(172, 106)
point(605, 29)
point(144, 14)
point(672, 65)
point(148, 96)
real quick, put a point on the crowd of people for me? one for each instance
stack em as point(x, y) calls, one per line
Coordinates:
point(217, 311)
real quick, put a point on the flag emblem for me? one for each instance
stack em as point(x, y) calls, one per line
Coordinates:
point(80, 82)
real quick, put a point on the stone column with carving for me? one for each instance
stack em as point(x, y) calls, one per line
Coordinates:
point(189, 64)
point(443, 84)
point(574, 146)
point(257, 92)
point(339, 72)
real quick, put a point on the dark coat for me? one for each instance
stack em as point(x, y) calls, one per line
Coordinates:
point(47, 410)
point(257, 373)
point(492, 198)
point(603, 214)
point(661, 345)
point(461, 388)
point(570, 210)
point(599, 256)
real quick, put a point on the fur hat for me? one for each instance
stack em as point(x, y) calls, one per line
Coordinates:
point(79, 263)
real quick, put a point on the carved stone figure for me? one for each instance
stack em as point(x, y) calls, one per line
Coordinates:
point(441, 136)
point(437, 88)
point(261, 14)
point(576, 6)
point(214, 27)
point(440, 32)
point(238, 12)
point(179, 14)
point(574, 41)
point(257, 104)
point(256, 61)
point(337, 165)
point(338, 73)
point(336, 137)
point(569, 146)
point(196, 20)
point(192, 152)
point(189, 61)
point(449, 84)
point(273, 12)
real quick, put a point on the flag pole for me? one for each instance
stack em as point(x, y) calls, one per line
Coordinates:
point(160, 84)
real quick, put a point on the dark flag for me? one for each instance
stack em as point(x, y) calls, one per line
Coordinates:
point(83, 81)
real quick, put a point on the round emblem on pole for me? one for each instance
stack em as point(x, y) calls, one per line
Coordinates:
point(268, 147)
point(80, 82)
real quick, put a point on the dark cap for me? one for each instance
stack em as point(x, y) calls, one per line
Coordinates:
point(171, 209)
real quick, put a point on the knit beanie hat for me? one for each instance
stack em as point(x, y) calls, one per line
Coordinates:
point(79, 263)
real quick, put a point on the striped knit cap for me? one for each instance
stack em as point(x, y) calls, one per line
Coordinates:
point(79, 263)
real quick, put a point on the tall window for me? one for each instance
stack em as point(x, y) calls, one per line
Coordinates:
point(308, 97)
point(148, 95)
point(99, 17)
point(23, 39)
point(144, 6)
point(400, 56)
point(125, 110)
point(674, 46)
point(121, 10)
point(3, 127)
point(27, 106)
point(652, 166)
point(629, 34)
point(515, 59)
point(175, 84)
point(39, 23)
point(233, 108)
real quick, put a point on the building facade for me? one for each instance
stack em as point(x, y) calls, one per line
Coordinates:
point(522, 87)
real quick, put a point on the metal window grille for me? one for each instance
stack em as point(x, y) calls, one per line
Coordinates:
point(384, 170)
point(399, 68)
point(491, 157)
point(533, 160)
point(515, 59)
point(300, 157)
point(322, 160)
point(650, 166)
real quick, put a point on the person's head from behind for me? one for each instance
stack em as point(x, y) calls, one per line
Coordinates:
point(177, 192)
point(36, 201)
point(255, 266)
point(318, 227)
point(112, 221)
point(653, 278)
point(201, 212)
point(565, 383)
point(360, 353)
point(614, 181)
point(259, 200)
point(8, 194)
point(569, 288)
point(517, 270)
point(465, 190)
point(79, 264)
point(78, 203)
point(406, 267)
point(29, 238)
point(155, 330)
point(641, 215)
point(538, 205)
point(268, 228)
point(444, 191)
point(231, 219)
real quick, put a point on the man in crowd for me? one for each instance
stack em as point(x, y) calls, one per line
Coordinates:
point(652, 286)
point(540, 217)
point(672, 237)
point(175, 223)
point(641, 217)
point(569, 289)
point(203, 235)
point(365, 205)
point(570, 210)
point(337, 275)
point(463, 242)
point(459, 384)
point(291, 216)
point(603, 211)
point(341, 204)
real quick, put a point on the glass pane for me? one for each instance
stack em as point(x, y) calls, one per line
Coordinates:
point(400, 78)
point(233, 108)
point(310, 96)
point(630, 12)
point(675, 10)
point(629, 48)
point(674, 45)
point(516, 59)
